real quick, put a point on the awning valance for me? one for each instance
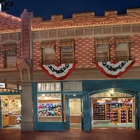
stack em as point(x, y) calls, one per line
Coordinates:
point(48, 44)
point(123, 40)
point(8, 47)
point(66, 43)
point(102, 41)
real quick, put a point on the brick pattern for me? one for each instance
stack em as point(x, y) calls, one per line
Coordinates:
point(1, 58)
point(26, 37)
point(86, 19)
point(135, 49)
point(36, 55)
point(112, 48)
point(9, 23)
point(18, 54)
point(84, 52)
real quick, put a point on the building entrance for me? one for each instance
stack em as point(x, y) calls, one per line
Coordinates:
point(113, 112)
point(10, 111)
point(75, 113)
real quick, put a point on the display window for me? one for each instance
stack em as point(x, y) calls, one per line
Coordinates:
point(112, 110)
point(49, 107)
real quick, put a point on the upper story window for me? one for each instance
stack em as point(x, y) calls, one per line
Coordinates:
point(10, 55)
point(48, 52)
point(67, 51)
point(102, 49)
point(49, 87)
point(123, 48)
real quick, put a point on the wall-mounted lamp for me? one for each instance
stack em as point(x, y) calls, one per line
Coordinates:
point(74, 95)
point(111, 92)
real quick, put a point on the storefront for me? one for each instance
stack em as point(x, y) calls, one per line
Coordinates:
point(59, 106)
point(115, 111)
point(10, 110)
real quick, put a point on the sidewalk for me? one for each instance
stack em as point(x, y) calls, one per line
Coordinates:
point(73, 134)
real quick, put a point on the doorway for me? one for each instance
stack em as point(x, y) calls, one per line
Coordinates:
point(113, 112)
point(75, 113)
point(10, 111)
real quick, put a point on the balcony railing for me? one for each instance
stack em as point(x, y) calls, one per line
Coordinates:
point(49, 61)
point(117, 58)
point(124, 58)
point(101, 59)
point(66, 61)
point(8, 65)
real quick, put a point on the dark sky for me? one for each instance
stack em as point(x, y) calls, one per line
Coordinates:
point(45, 8)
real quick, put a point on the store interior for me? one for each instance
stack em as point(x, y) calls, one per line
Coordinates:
point(75, 113)
point(11, 111)
point(49, 108)
point(112, 112)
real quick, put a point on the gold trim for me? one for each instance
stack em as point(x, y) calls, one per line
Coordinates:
point(8, 47)
point(48, 44)
point(66, 43)
point(102, 41)
point(123, 40)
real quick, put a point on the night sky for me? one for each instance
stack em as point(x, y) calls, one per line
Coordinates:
point(46, 8)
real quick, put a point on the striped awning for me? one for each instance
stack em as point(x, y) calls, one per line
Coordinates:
point(8, 47)
point(123, 40)
point(66, 43)
point(102, 41)
point(48, 44)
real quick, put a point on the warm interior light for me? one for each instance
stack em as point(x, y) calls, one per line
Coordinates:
point(111, 92)
point(74, 95)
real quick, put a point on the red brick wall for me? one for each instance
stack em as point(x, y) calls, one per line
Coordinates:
point(84, 52)
point(135, 49)
point(36, 55)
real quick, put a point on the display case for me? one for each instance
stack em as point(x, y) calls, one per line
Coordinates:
point(130, 116)
point(49, 109)
point(114, 115)
point(98, 111)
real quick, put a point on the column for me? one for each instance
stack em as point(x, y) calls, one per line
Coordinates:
point(27, 110)
point(87, 113)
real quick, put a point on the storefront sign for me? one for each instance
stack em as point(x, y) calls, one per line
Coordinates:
point(2, 85)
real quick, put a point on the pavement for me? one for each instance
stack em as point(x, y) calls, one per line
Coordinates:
point(72, 134)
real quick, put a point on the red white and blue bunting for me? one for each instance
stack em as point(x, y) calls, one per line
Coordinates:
point(58, 72)
point(114, 70)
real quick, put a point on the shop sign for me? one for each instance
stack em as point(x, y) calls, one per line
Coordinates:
point(2, 85)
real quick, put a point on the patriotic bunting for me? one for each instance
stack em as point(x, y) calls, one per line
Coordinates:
point(59, 72)
point(114, 70)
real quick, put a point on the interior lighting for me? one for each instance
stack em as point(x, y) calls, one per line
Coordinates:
point(111, 92)
point(74, 95)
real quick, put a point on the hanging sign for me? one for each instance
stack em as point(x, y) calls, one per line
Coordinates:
point(114, 70)
point(58, 72)
point(2, 85)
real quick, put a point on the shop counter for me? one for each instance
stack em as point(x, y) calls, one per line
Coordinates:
point(5, 120)
point(50, 119)
point(13, 119)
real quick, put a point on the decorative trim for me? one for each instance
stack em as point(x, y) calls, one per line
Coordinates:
point(114, 70)
point(58, 72)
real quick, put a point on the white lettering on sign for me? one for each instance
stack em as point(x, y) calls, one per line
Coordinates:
point(2, 85)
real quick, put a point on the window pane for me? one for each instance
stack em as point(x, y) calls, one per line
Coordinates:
point(42, 87)
point(49, 107)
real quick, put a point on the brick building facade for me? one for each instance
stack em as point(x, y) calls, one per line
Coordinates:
point(28, 33)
